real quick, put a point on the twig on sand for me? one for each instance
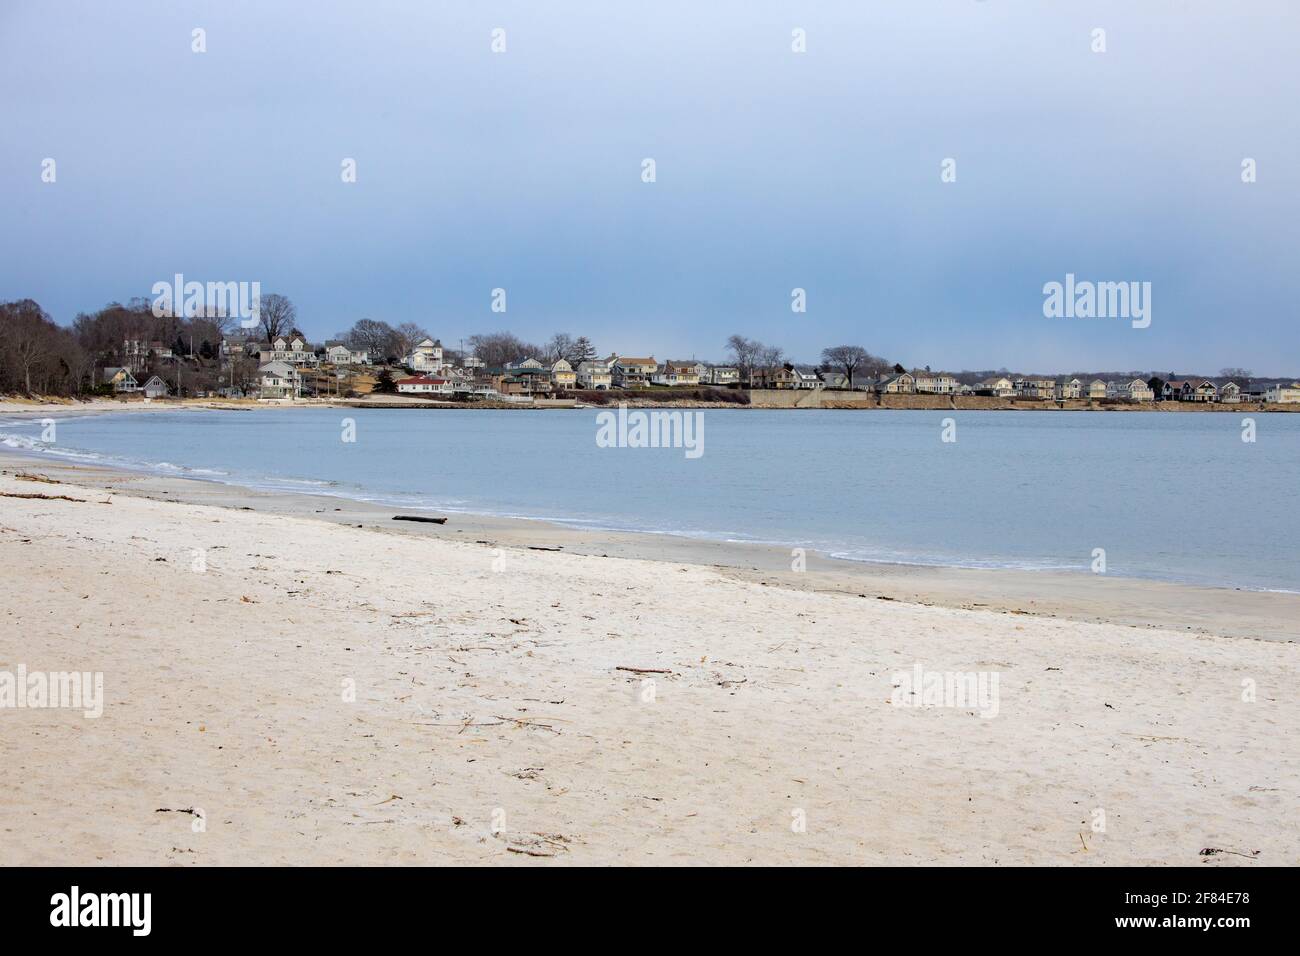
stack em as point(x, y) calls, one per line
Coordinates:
point(644, 670)
point(426, 520)
point(14, 494)
point(1214, 850)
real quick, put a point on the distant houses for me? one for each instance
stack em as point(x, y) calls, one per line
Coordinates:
point(287, 371)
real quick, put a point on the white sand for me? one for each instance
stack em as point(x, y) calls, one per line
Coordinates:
point(487, 690)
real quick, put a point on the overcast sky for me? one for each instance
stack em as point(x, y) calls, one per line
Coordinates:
point(775, 170)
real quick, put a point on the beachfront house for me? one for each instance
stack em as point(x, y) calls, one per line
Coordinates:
point(423, 385)
point(675, 373)
point(279, 380)
point(121, 379)
point(900, 384)
point(1096, 390)
point(723, 375)
point(632, 372)
point(805, 378)
point(1065, 390)
point(1204, 391)
point(776, 376)
point(156, 388)
point(562, 375)
point(1283, 394)
point(834, 380)
point(934, 383)
point(528, 377)
point(1035, 387)
point(1001, 386)
point(594, 375)
point(1130, 390)
point(1230, 393)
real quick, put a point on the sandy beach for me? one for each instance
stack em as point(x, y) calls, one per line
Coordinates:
point(289, 683)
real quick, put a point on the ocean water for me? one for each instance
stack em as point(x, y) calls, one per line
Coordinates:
point(1171, 496)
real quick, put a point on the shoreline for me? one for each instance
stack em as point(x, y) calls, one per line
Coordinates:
point(779, 401)
point(1077, 596)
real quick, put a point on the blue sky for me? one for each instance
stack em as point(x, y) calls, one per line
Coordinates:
point(775, 170)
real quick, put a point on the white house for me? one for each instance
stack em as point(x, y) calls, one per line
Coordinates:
point(426, 357)
point(1230, 393)
point(594, 375)
point(1002, 387)
point(342, 355)
point(1283, 394)
point(935, 383)
point(422, 385)
point(722, 375)
point(279, 380)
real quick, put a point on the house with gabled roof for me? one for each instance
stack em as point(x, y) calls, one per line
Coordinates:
point(121, 379)
point(1067, 389)
point(634, 372)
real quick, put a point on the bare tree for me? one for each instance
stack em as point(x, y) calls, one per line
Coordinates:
point(745, 354)
point(498, 348)
point(277, 315)
point(1235, 373)
point(378, 338)
point(28, 335)
point(408, 335)
point(559, 347)
point(853, 359)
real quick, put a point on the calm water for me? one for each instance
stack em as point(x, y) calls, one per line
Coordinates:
point(1174, 496)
